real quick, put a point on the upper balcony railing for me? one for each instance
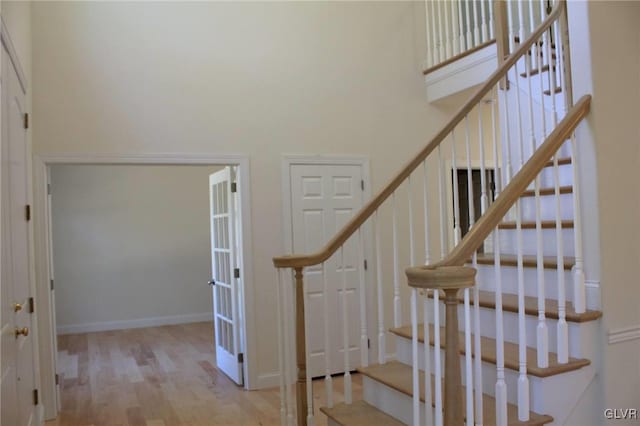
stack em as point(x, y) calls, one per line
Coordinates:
point(455, 28)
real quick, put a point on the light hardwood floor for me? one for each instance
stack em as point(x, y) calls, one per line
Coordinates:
point(161, 376)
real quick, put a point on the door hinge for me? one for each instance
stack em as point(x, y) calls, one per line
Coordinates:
point(48, 189)
point(32, 306)
point(366, 265)
point(236, 273)
point(368, 343)
point(51, 285)
point(26, 120)
point(35, 397)
point(57, 379)
point(362, 185)
point(240, 357)
point(27, 212)
point(234, 187)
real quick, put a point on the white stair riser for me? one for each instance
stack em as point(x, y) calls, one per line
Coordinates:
point(388, 400)
point(547, 176)
point(539, 387)
point(577, 331)
point(547, 207)
point(486, 281)
point(509, 240)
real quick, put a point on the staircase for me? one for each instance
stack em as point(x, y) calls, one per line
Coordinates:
point(498, 332)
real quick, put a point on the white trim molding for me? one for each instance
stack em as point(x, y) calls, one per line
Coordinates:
point(13, 55)
point(626, 334)
point(135, 323)
point(44, 274)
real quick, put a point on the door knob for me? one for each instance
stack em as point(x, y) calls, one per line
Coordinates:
point(24, 331)
point(212, 282)
point(17, 307)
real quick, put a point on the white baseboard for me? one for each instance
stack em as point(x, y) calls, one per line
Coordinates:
point(136, 323)
point(626, 334)
point(268, 380)
point(272, 379)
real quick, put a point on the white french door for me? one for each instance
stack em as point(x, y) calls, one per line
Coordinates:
point(226, 272)
point(324, 197)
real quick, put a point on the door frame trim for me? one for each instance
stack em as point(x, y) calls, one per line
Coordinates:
point(46, 334)
point(289, 160)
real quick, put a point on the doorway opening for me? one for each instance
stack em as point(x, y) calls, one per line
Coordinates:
point(130, 244)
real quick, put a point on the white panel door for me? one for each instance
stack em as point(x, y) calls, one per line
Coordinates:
point(224, 260)
point(323, 199)
point(17, 363)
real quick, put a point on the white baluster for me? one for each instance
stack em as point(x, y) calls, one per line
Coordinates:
point(412, 244)
point(455, 41)
point(428, 407)
point(470, 41)
point(281, 352)
point(491, 28)
point(461, 36)
point(328, 380)
point(511, 20)
point(382, 346)
point(476, 24)
point(414, 356)
point(427, 250)
point(501, 385)
point(485, 30)
point(345, 332)
point(437, 363)
point(364, 339)
point(456, 200)
point(441, 40)
point(467, 307)
point(397, 314)
point(449, 48)
point(496, 147)
point(434, 34)
point(523, 379)
point(477, 343)
point(521, 22)
point(541, 329)
point(562, 327)
point(429, 59)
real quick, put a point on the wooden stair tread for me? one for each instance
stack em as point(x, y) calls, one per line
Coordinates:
point(399, 376)
point(511, 354)
point(510, 304)
point(548, 191)
point(561, 162)
point(536, 71)
point(556, 90)
point(545, 224)
point(359, 413)
point(549, 262)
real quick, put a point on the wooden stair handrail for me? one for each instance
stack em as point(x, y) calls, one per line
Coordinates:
point(510, 194)
point(300, 261)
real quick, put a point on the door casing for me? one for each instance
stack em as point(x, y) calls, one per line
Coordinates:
point(43, 256)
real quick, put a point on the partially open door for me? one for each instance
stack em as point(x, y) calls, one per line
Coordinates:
point(226, 273)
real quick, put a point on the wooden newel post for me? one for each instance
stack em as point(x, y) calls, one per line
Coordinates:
point(301, 356)
point(450, 279)
point(501, 31)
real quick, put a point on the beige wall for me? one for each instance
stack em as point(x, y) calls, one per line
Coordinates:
point(131, 245)
point(261, 79)
point(615, 52)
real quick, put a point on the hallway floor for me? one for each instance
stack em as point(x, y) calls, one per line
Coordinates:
point(160, 376)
